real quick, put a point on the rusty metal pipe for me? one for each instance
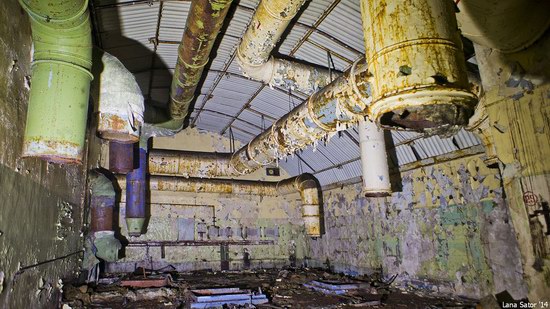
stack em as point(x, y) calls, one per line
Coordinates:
point(190, 164)
point(306, 184)
point(414, 52)
point(102, 201)
point(205, 19)
point(121, 157)
point(264, 31)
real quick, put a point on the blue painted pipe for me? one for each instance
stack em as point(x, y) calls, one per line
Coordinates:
point(136, 195)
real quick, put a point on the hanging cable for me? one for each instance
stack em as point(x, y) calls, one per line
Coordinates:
point(330, 65)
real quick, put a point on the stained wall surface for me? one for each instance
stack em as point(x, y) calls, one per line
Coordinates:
point(40, 203)
point(446, 230)
point(268, 230)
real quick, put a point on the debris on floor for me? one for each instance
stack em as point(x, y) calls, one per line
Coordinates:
point(262, 289)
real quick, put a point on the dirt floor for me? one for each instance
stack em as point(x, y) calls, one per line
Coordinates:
point(283, 288)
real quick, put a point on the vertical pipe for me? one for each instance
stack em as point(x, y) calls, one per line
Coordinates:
point(102, 217)
point(374, 162)
point(414, 52)
point(58, 100)
point(121, 157)
point(136, 195)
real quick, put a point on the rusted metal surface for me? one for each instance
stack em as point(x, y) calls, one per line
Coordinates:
point(190, 164)
point(121, 157)
point(101, 218)
point(53, 151)
point(332, 109)
point(264, 31)
point(203, 24)
point(113, 127)
point(147, 283)
point(414, 53)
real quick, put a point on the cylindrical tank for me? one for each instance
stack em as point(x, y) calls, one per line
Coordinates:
point(414, 52)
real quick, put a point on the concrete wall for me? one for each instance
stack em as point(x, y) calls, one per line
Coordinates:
point(40, 203)
point(446, 231)
point(215, 218)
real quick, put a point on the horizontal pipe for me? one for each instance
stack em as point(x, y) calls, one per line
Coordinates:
point(305, 184)
point(334, 108)
point(190, 164)
point(58, 99)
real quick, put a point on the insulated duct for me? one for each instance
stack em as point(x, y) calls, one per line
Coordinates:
point(62, 59)
point(374, 161)
point(118, 98)
point(414, 52)
point(264, 31)
point(334, 108)
point(306, 184)
point(190, 164)
point(506, 25)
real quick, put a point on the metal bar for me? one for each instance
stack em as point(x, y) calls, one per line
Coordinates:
point(247, 104)
point(182, 243)
point(315, 25)
point(154, 54)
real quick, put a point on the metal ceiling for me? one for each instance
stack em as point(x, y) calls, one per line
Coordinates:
point(145, 34)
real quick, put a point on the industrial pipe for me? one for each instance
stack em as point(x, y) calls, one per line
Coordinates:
point(334, 108)
point(305, 184)
point(374, 161)
point(264, 31)
point(203, 24)
point(102, 201)
point(190, 164)
point(506, 25)
point(58, 102)
point(118, 98)
point(414, 52)
point(121, 157)
point(136, 194)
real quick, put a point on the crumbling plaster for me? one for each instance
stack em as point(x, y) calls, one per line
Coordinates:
point(446, 231)
point(517, 102)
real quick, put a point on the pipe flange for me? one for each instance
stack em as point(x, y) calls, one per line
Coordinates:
point(313, 117)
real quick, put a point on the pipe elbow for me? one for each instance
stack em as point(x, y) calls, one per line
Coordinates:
point(118, 98)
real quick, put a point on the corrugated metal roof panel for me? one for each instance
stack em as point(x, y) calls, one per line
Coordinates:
point(350, 31)
point(466, 139)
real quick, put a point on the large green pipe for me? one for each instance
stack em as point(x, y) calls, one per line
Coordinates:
point(58, 103)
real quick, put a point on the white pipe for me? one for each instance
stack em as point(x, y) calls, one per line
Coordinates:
point(374, 162)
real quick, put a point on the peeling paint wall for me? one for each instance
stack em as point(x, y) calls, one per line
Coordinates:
point(446, 230)
point(40, 208)
point(272, 227)
point(517, 101)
